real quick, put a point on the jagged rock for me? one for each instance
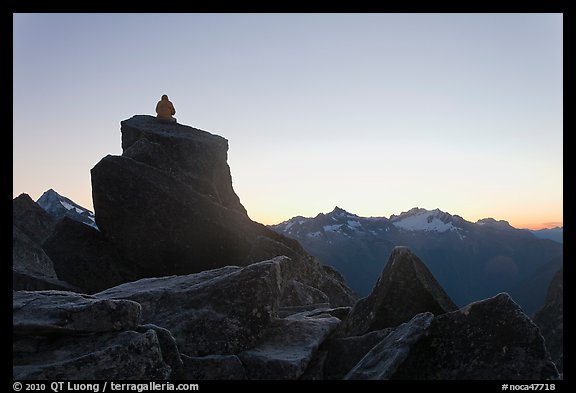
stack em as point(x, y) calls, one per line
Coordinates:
point(197, 154)
point(297, 293)
point(170, 353)
point(550, 319)
point(489, 339)
point(342, 354)
point(152, 214)
point(405, 288)
point(216, 312)
point(49, 312)
point(123, 355)
point(287, 347)
point(384, 358)
point(31, 219)
point(83, 257)
point(32, 269)
point(168, 206)
point(214, 367)
point(28, 257)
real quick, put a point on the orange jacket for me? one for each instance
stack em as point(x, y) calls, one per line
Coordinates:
point(165, 109)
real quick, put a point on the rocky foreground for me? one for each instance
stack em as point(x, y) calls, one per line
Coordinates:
point(178, 283)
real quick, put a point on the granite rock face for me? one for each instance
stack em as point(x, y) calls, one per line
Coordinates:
point(287, 346)
point(49, 312)
point(64, 335)
point(386, 356)
point(167, 205)
point(405, 288)
point(489, 339)
point(84, 258)
point(216, 312)
point(32, 269)
point(123, 355)
point(550, 319)
point(342, 354)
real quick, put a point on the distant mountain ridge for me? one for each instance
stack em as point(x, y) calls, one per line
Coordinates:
point(556, 234)
point(470, 260)
point(59, 206)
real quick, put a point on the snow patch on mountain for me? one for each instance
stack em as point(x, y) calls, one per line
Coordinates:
point(354, 224)
point(332, 228)
point(423, 220)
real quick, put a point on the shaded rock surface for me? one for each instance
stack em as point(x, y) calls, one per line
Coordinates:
point(84, 258)
point(216, 312)
point(168, 206)
point(212, 367)
point(123, 355)
point(32, 269)
point(384, 358)
point(342, 354)
point(489, 339)
point(550, 319)
point(31, 219)
point(169, 197)
point(167, 343)
point(405, 288)
point(198, 158)
point(287, 346)
point(49, 312)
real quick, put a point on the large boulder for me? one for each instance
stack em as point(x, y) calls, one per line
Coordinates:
point(197, 158)
point(489, 339)
point(405, 288)
point(385, 357)
point(120, 355)
point(216, 312)
point(32, 269)
point(31, 219)
point(550, 319)
point(342, 354)
point(83, 257)
point(167, 205)
point(169, 198)
point(64, 335)
point(287, 346)
point(51, 312)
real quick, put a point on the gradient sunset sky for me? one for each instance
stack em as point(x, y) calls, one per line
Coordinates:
point(375, 113)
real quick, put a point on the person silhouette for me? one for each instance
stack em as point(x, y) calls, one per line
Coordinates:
point(165, 110)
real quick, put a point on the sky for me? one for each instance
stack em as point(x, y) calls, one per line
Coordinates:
point(374, 113)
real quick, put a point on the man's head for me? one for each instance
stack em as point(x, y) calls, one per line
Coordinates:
point(164, 97)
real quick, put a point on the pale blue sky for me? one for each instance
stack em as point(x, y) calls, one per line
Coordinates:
point(375, 113)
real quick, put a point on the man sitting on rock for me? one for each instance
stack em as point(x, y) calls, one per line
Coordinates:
point(165, 110)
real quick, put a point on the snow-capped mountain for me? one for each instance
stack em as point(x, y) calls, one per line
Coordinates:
point(470, 260)
point(59, 206)
point(418, 219)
